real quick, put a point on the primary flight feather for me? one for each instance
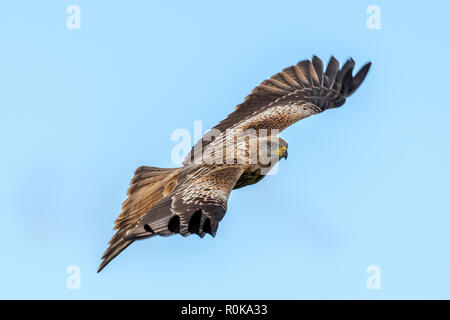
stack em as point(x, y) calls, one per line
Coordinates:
point(193, 199)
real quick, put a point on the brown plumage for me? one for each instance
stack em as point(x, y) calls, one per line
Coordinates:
point(193, 199)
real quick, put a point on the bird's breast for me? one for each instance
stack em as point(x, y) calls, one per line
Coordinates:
point(250, 176)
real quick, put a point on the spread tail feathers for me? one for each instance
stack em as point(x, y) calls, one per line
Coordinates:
point(148, 186)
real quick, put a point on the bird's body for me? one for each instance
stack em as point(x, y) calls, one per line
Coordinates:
point(238, 152)
point(250, 176)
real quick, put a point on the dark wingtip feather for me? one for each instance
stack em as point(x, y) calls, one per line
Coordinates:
point(344, 77)
point(331, 72)
point(318, 67)
point(305, 67)
point(346, 68)
point(359, 78)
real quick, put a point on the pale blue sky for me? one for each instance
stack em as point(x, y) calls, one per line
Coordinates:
point(365, 184)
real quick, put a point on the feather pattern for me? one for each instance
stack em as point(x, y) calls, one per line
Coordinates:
point(199, 202)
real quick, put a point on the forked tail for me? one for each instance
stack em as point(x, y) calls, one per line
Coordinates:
point(148, 186)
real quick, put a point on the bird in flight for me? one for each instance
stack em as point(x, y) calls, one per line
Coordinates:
point(237, 152)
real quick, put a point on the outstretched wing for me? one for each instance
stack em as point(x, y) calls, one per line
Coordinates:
point(196, 206)
point(293, 94)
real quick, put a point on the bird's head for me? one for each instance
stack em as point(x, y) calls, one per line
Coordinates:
point(277, 148)
point(282, 149)
point(265, 151)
